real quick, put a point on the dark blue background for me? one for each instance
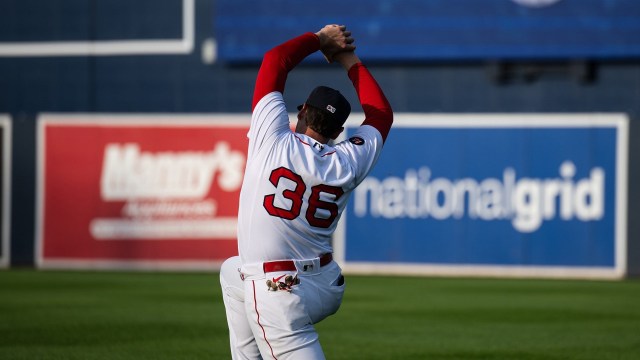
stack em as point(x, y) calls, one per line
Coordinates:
point(82, 20)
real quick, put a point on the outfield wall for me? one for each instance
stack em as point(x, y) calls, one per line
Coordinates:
point(169, 58)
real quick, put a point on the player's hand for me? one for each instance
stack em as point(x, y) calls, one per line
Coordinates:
point(335, 39)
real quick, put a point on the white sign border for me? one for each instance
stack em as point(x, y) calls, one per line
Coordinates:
point(619, 121)
point(182, 120)
point(5, 259)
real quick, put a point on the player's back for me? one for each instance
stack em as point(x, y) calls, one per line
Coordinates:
point(295, 188)
point(291, 199)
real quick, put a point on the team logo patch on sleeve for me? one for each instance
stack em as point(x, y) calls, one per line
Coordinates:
point(356, 140)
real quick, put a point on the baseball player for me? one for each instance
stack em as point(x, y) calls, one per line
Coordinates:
point(295, 187)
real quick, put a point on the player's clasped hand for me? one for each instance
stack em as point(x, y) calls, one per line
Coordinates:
point(335, 39)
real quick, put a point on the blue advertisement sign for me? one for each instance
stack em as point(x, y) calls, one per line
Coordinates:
point(434, 30)
point(540, 192)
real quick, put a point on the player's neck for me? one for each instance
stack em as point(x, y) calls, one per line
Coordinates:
point(316, 135)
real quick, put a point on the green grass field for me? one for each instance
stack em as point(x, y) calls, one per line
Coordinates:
point(127, 315)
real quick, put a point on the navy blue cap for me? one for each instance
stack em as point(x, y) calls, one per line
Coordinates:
point(330, 101)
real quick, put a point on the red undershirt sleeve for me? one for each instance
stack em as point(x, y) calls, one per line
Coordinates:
point(278, 61)
point(377, 110)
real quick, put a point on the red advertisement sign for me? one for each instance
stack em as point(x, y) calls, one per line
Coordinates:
point(156, 191)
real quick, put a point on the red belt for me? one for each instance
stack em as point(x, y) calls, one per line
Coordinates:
point(290, 265)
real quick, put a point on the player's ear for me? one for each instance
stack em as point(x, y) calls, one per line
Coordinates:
point(337, 133)
point(301, 111)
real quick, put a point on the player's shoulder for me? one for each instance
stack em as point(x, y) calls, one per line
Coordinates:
point(268, 102)
point(363, 136)
point(271, 108)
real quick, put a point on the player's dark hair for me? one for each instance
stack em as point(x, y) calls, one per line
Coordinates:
point(320, 121)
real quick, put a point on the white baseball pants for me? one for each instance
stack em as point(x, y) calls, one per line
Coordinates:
point(265, 324)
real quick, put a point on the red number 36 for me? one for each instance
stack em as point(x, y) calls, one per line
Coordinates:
point(295, 196)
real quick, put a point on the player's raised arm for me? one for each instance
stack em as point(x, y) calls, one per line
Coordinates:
point(278, 61)
point(376, 107)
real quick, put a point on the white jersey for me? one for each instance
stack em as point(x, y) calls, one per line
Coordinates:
point(294, 188)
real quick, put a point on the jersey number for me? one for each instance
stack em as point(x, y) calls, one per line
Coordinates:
point(295, 196)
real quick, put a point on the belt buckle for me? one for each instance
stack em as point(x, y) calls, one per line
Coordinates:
point(307, 267)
